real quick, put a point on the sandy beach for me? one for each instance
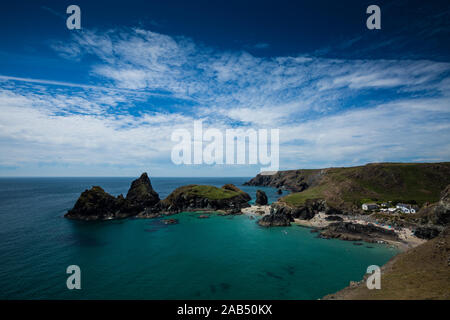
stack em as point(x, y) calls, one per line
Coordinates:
point(255, 210)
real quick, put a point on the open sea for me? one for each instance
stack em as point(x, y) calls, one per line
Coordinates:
point(222, 257)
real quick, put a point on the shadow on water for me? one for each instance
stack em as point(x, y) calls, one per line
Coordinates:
point(273, 275)
point(81, 240)
point(289, 269)
point(223, 286)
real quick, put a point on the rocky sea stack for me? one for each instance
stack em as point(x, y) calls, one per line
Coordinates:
point(261, 198)
point(96, 204)
point(141, 195)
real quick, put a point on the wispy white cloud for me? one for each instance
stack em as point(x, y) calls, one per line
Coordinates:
point(329, 111)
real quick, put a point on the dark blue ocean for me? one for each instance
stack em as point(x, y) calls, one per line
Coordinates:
point(223, 257)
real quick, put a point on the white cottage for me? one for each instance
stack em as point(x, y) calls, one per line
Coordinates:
point(405, 208)
point(369, 206)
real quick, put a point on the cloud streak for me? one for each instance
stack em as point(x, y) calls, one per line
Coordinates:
point(329, 111)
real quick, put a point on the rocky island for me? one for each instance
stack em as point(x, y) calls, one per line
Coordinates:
point(143, 201)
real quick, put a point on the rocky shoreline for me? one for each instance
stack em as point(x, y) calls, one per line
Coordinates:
point(329, 221)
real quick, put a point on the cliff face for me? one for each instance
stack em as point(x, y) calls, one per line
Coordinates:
point(294, 180)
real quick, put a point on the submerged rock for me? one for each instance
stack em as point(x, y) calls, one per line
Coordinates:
point(170, 221)
point(261, 198)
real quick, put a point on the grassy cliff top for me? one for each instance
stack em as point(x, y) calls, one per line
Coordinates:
point(421, 182)
point(297, 199)
point(203, 191)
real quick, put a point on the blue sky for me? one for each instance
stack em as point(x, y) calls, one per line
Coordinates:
point(104, 100)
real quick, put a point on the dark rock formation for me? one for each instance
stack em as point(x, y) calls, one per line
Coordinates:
point(274, 220)
point(306, 211)
point(141, 195)
point(358, 232)
point(261, 198)
point(426, 233)
point(96, 204)
point(143, 202)
point(294, 180)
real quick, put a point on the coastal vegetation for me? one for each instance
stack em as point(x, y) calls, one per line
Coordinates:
point(346, 188)
point(421, 273)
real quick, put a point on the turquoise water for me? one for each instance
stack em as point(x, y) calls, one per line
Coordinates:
point(222, 257)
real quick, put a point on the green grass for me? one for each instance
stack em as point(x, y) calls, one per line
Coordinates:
point(209, 192)
point(393, 182)
point(378, 182)
point(212, 192)
point(298, 198)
